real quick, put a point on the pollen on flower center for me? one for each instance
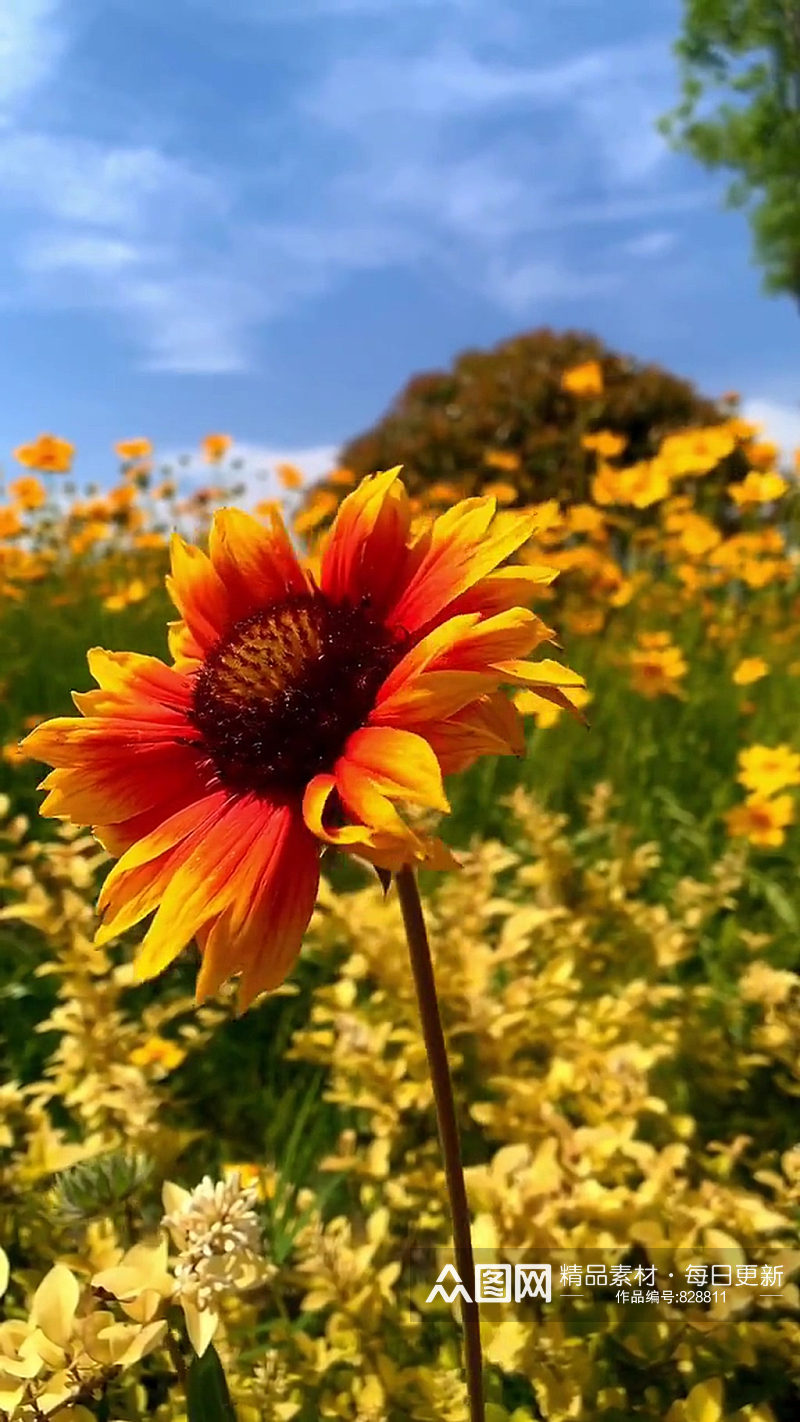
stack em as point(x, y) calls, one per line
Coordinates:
point(279, 696)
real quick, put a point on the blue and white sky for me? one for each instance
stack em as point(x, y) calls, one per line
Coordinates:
point(261, 216)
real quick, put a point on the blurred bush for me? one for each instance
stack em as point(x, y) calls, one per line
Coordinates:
point(508, 415)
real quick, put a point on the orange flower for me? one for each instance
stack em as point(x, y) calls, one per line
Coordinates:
point(761, 820)
point(758, 488)
point(504, 459)
point(10, 524)
point(605, 443)
point(290, 476)
point(29, 492)
point(128, 449)
point(585, 379)
point(215, 447)
point(765, 769)
point(658, 666)
point(504, 493)
point(748, 670)
point(296, 714)
point(47, 453)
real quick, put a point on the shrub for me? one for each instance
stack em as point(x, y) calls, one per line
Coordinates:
point(509, 401)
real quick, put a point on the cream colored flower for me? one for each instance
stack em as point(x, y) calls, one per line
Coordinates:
point(218, 1236)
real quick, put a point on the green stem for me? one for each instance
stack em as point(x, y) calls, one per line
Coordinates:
point(425, 985)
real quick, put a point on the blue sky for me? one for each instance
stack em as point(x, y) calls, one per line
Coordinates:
point(262, 216)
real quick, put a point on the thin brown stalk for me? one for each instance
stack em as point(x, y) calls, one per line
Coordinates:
point(438, 1065)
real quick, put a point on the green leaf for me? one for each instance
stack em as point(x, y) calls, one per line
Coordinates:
point(207, 1396)
point(780, 903)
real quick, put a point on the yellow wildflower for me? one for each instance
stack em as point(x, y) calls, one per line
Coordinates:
point(761, 819)
point(47, 453)
point(583, 379)
point(758, 488)
point(605, 443)
point(503, 459)
point(658, 666)
point(159, 1052)
point(749, 669)
point(766, 769)
point(127, 449)
point(28, 492)
point(215, 447)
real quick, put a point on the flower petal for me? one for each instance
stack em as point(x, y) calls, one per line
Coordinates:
point(255, 561)
point(366, 551)
point(200, 596)
point(381, 764)
point(489, 726)
point(550, 679)
point(459, 551)
point(204, 881)
point(260, 934)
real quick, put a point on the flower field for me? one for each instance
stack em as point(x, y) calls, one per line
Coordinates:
point(198, 1203)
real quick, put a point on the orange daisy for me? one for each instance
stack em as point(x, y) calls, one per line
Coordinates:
point(48, 453)
point(298, 711)
point(215, 447)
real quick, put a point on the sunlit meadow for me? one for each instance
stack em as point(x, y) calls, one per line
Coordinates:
point(617, 967)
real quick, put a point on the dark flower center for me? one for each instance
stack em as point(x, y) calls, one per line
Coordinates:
point(278, 697)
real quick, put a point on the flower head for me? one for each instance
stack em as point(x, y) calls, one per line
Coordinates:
point(657, 666)
point(47, 453)
point(748, 670)
point(28, 492)
point(132, 449)
point(761, 820)
point(584, 379)
point(765, 769)
point(215, 447)
point(218, 1237)
point(298, 712)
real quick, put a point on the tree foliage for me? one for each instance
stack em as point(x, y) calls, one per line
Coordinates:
point(511, 399)
point(740, 111)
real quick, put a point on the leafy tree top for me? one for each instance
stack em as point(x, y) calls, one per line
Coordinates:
point(740, 110)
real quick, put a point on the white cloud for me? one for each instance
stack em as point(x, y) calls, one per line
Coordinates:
point(75, 179)
point(173, 248)
point(90, 252)
point(30, 44)
point(526, 287)
point(781, 422)
point(650, 244)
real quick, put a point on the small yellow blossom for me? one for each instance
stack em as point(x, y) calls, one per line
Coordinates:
point(750, 669)
point(159, 1052)
point(504, 459)
point(215, 447)
point(28, 492)
point(583, 379)
point(658, 666)
point(605, 443)
point(289, 475)
point(766, 769)
point(503, 493)
point(10, 524)
point(127, 449)
point(761, 819)
point(758, 489)
point(697, 451)
point(48, 453)
point(135, 591)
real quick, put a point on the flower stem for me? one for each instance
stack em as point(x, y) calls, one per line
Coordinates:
point(425, 985)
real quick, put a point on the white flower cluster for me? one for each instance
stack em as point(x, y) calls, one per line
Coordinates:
point(218, 1236)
